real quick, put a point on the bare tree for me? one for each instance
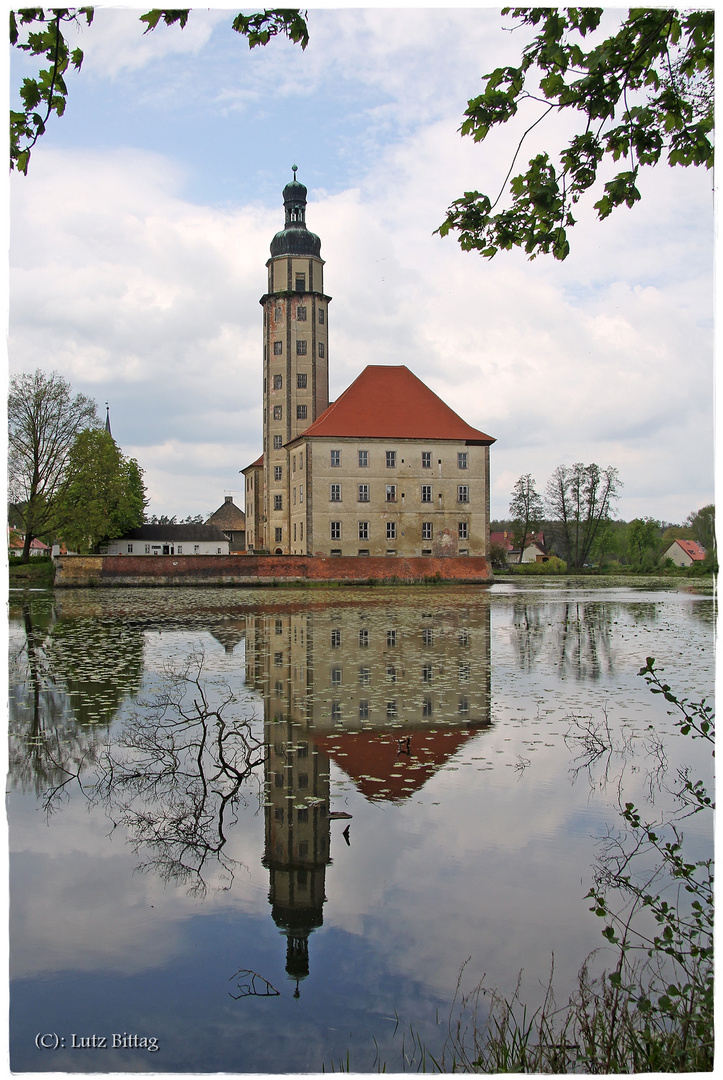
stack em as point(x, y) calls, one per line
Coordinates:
point(526, 510)
point(43, 421)
point(579, 500)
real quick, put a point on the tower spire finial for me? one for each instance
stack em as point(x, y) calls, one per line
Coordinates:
point(294, 169)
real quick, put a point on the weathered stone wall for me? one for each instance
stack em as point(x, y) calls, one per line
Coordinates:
point(78, 571)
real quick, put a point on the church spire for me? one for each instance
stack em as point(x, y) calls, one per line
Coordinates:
point(107, 420)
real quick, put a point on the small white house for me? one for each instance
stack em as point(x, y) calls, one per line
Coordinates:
point(685, 552)
point(170, 540)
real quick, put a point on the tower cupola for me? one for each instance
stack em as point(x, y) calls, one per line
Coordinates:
point(295, 238)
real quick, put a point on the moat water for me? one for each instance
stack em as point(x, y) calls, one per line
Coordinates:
point(274, 830)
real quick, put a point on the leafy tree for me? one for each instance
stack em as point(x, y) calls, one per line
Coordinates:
point(643, 537)
point(642, 94)
point(702, 525)
point(44, 419)
point(103, 494)
point(48, 92)
point(579, 500)
point(526, 510)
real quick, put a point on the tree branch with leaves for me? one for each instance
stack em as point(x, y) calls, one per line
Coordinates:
point(41, 33)
point(642, 94)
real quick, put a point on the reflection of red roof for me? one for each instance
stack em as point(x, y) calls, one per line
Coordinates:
point(392, 403)
point(373, 761)
point(693, 549)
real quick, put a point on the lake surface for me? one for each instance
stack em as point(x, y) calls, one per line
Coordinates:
point(262, 830)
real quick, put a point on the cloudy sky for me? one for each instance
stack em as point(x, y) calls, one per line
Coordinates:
point(140, 236)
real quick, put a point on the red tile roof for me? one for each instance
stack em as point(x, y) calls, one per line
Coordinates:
point(254, 464)
point(392, 403)
point(693, 549)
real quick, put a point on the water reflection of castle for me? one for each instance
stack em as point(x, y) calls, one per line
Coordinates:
point(388, 694)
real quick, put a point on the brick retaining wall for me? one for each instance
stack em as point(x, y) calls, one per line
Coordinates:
point(79, 571)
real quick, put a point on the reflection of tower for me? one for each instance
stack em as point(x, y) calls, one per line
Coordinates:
point(297, 827)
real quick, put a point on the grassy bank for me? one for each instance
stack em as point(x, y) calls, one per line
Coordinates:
point(36, 574)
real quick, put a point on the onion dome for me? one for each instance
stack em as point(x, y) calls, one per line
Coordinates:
point(295, 238)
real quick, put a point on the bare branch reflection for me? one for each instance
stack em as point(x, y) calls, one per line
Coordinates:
point(175, 778)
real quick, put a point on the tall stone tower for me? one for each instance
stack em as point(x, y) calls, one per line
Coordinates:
point(296, 354)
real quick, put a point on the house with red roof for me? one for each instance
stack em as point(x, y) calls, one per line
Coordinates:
point(534, 550)
point(386, 469)
point(685, 552)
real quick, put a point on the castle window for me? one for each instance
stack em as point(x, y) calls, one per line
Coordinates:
point(278, 313)
point(278, 382)
point(301, 413)
point(463, 638)
point(335, 492)
point(391, 530)
point(336, 676)
point(301, 530)
point(278, 502)
point(321, 348)
point(363, 530)
point(427, 707)
point(278, 534)
point(277, 442)
point(461, 461)
point(426, 459)
point(294, 522)
point(427, 636)
point(391, 494)
point(277, 472)
point(301, 499)
point(300, 283)
point(278, 348)
point(463, 493)
point(363, 493)
point(363, 459)
point(463, 530)
point(426, 493)
point(301, 348)
point(335, 527)
point(365, 676)
point(321, 315)
point(278, 412)
point(293, 497)
point(363, 639)
point(301, 314)
point(391, 459)
point(301, 381)
point(427, 673)
point(426, 530)
point(335, 459)
point(363, 709)
point(336, 639)
point(463, 707)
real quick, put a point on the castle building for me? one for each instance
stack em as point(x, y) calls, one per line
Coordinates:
point(386, 469)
